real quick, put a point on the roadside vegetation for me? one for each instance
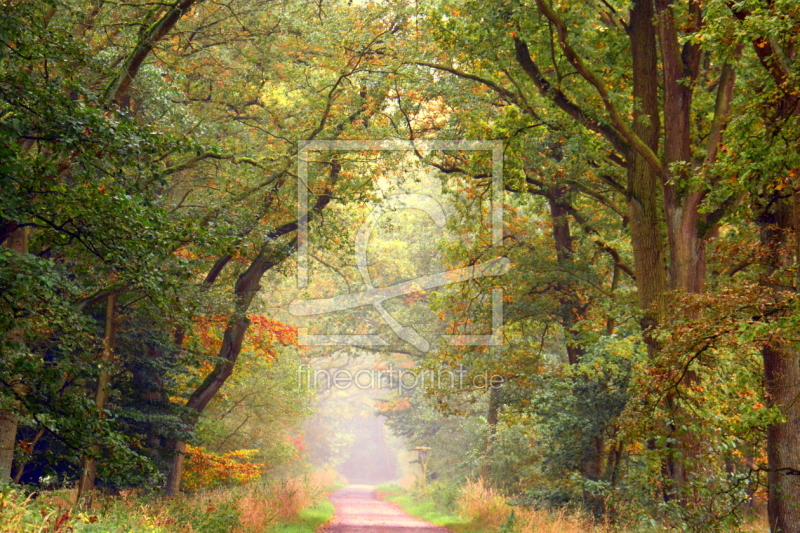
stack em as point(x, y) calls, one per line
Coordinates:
point(474, 507)
point(291, 506)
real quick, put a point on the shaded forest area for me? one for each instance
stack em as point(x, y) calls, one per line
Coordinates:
point(149, 183)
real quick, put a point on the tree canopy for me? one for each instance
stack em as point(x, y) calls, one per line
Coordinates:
point(153, 157)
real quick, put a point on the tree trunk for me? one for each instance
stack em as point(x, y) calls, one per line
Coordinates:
point(492, 413)
point(173, 485)
point(571, 312)
point(782, 383)
point(643, 180)
point(89, 470)
point(16, 241)
point(782, 373)
point(686, 251)
point(571, 309)
point(679, 68)
point(8, 437)
point(245, 290)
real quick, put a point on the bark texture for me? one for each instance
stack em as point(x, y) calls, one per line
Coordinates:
point(782, 382)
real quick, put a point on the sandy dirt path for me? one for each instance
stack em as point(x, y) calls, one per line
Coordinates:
point(358, 510)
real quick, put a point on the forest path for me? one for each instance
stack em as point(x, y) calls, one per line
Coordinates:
point(358, 510)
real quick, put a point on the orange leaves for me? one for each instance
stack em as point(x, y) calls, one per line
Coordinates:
point(185, 254)
point(276, 331)
point(263, 335)
point(207, 469)
point(393, 406)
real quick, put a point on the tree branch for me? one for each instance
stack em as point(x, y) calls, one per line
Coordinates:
point(547, 90)
point(627, 133)
point(147, 42)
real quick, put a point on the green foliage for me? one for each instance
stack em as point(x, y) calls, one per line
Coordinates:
point(424, 502)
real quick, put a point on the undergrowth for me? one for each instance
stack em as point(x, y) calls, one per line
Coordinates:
point(477, 508)
point(290, 506)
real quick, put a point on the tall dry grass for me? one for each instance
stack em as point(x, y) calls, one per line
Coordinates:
point(259, 509)
point(540, 521)
point(487, 510)
point(484, 507)
point(245, 509)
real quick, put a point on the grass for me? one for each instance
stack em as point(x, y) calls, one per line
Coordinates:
point(479, 509)
point(290, 506)
point(308, 520)
point(427, 510)
point(476, 508)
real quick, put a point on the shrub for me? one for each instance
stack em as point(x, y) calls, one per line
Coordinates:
point(249, 508)
point(207, 469)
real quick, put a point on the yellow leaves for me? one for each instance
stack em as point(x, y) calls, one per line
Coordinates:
point(207, 469)
point(278, 95)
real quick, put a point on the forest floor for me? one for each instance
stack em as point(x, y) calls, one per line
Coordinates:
point(358, 510)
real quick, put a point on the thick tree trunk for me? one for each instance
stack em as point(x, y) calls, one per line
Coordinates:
point(16, 241)
point(680, 68)
point(643, 179)
point(782, 373)
point(686, 251)
point(173, 485)
point(8, 438)
point(782, 383)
